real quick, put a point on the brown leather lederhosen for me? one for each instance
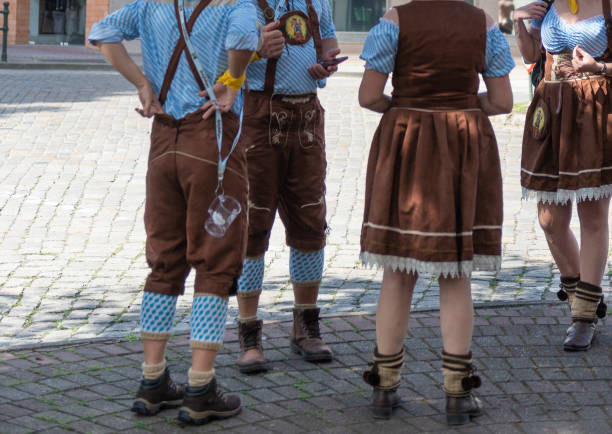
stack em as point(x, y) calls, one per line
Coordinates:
point(433, 199)
point(286, 158)
point(181, 182)
point(572, 158)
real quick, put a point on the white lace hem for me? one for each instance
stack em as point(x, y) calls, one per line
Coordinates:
point(444, 269)
point(561, 197)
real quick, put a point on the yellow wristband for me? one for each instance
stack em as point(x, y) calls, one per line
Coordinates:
point(255, 57)
point(231, 82)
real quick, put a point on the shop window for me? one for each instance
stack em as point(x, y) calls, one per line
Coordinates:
point(357, 15)
point(62, 20)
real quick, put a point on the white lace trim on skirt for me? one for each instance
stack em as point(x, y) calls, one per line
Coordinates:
point(444, 269)
point(561, 197)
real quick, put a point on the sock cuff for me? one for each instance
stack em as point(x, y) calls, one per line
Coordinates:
point(151, 372)
point(200, 378)
point(589, 288)
point(247, 319)
point(457, 362)
point(566, 280)
point(570, 283)
point(305, 306)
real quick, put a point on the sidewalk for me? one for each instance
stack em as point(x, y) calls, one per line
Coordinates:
point(57, 57)
point(530, 385)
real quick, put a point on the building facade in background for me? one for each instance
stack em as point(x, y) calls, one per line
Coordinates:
point(64, 22)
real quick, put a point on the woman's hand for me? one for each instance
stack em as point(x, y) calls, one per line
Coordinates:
point(584, 62)
point(150, 104)
point(225, 99)
point(535, 10)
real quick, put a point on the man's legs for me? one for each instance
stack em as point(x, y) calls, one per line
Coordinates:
point(203, 400)
point(306, 271)
point(157, 390)
point(250, 284)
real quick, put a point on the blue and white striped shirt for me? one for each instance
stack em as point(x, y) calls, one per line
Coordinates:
point(380, 49)
point(292, 76)
point(560, 37)
point(223, 25)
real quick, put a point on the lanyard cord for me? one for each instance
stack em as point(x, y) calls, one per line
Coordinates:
point(222, 164)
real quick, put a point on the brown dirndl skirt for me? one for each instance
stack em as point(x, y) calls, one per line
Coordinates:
point(571, 158)
point(433, 194)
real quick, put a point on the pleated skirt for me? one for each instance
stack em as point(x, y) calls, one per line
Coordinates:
point(573, 160)
point(433, 194)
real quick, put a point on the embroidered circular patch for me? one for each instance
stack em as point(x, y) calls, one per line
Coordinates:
point(295, 27)
point(539, 121)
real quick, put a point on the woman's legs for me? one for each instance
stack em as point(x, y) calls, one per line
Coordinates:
point(393, 310)
point(457, 325)
point(456, 314)
point(392, 315)
point(594, 239)
point(555, 221)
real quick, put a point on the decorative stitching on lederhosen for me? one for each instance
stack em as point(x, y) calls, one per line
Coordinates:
point(281, 119)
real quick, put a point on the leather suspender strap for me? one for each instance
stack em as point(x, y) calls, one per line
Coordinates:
point(316, 36)
point(271, 63)
point(606, 13)
point(178, 50)
point(315, 28)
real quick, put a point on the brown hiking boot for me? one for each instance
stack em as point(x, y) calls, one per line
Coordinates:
point(249, 334)
point(155, 395)
point(460, 410)
point(306, 337)
point(207, 403)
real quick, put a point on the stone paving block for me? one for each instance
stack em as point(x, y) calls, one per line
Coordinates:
point(282, 426)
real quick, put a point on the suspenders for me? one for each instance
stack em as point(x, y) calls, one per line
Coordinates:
point(178, 50)
point(316, 35)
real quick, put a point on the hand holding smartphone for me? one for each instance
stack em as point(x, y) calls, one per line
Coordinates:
point(333, 62)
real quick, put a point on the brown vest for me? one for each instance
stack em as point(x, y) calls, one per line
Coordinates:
point(441, 50)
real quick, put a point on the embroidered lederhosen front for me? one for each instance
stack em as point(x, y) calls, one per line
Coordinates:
point(286, 149)
point(180, 186)
point(290, 113)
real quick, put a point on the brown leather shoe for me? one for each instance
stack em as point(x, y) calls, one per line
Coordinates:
point(580, 336)
point(383, 402)
point(249, 335)
point(306, 337)
point(207, 403)
point(461, 410)
point(155, 395)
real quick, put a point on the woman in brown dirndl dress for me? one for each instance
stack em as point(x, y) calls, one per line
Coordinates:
point(567, 148)
point(433, 190)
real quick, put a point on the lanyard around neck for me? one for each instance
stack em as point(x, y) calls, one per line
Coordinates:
point(222, 162)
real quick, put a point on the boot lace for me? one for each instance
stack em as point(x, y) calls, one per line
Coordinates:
point(250, 338)
point(311, 324)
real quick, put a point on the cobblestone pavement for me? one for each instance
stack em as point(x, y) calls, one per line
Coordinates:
point(71, 204)
point(530, 385)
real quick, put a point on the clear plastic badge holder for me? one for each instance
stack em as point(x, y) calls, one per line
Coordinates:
point(224, 208)
point(223, 211)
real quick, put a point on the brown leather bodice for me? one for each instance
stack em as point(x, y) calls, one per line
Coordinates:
point(441, 50)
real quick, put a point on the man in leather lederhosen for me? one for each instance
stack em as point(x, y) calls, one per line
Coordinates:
point(285, 142)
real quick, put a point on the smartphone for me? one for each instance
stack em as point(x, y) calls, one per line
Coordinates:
point(333, 62)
